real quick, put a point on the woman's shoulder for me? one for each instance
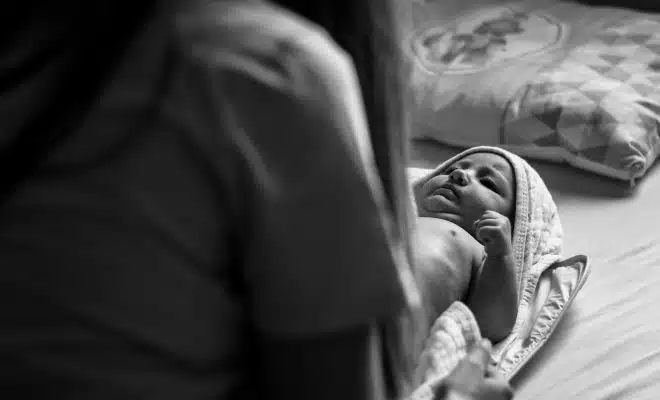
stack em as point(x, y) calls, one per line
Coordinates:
point(259, 39)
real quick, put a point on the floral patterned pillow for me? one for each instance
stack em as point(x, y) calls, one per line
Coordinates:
point(557, 81)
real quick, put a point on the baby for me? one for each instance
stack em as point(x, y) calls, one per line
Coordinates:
point(463, 241)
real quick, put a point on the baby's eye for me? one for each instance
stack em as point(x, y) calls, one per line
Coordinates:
point(490, 185)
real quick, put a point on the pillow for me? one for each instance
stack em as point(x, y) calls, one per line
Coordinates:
point(635, 4)
point(548, 80)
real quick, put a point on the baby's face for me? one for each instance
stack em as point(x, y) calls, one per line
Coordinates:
point(463, 191)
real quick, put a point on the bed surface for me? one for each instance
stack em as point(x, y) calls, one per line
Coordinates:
point(608, 344)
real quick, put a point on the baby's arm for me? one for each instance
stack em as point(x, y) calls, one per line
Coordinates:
point(493, 297)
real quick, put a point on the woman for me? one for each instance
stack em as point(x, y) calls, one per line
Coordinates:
point(194, 210)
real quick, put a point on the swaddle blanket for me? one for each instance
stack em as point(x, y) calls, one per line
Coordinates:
point(452, 335)
point(537, 241)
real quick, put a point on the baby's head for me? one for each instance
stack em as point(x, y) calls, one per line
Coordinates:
point(462, 191)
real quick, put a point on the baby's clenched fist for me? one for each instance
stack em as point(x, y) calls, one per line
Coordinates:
point(493, 230)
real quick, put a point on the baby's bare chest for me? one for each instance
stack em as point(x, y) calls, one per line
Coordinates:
point(443, 245)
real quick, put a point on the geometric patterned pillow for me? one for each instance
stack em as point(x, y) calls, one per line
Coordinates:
point(598, 109)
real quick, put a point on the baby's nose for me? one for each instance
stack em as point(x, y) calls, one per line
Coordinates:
point(459, 177)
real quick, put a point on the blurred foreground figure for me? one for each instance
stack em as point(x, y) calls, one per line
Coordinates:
point(195, 209)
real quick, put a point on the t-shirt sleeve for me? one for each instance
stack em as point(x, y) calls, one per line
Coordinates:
point(318, 256)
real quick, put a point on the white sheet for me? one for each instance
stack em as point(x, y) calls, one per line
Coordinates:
point(608, 344)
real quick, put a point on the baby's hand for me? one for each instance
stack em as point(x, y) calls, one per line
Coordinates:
point(493, 230)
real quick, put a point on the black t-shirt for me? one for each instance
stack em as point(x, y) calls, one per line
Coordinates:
point(156, 243)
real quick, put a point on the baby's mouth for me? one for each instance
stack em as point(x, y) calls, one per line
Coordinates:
point(447, 191)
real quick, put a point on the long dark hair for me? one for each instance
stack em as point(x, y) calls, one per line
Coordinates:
point(367, 30)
